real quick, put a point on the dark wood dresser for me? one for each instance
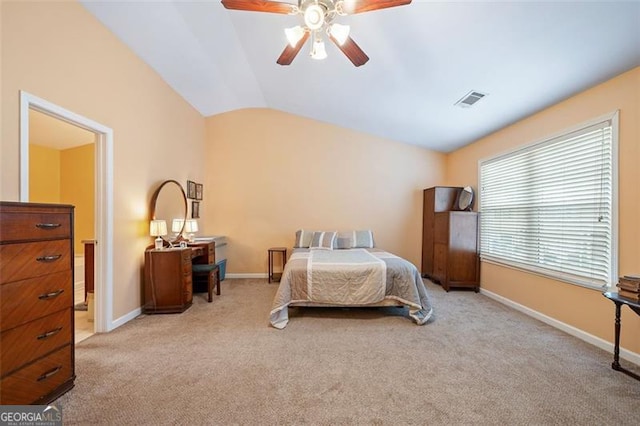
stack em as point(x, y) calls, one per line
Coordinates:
point(455, 250)
point(36, 302)
point(449, 240)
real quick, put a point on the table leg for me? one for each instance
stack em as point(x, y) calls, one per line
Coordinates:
point(616, 348)
point(218, 281)
point(270, 265)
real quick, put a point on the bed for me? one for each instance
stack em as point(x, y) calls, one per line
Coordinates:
point(328, 276)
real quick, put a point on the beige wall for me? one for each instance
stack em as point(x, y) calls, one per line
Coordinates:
point(585, 309)
point(58, 51)
point(270, 173)
point(77, 187)
point(44, 174)
point(66, 176)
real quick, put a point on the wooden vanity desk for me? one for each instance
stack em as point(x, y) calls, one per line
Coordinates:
point(168, 281)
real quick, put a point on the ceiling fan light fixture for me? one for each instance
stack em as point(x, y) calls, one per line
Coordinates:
point(318, 17)
point(294, 35)
point(318, 50)
point(339, 32)
point(314, 17)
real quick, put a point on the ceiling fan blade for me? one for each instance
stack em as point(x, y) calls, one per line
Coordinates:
point(358, 6)
point(289, 53)
point(260, 6)
point(352, 50)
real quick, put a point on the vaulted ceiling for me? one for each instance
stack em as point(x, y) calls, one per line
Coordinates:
point(525, 55)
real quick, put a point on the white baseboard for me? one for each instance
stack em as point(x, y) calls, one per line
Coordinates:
point(258, 275)
point(576, 332)
point(137, 312)
point(125, 319)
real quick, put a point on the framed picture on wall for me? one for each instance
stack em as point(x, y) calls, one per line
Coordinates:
point(199, 189)
point(191, 189)
point(195, 209)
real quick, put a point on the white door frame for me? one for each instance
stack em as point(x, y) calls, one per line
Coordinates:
point(103, 192)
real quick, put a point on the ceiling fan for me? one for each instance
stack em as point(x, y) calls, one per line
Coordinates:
point(318, 18)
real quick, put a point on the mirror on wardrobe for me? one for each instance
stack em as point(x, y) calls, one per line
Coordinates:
point(465, 199)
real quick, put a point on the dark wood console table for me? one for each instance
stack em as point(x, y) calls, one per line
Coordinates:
point(635, 307)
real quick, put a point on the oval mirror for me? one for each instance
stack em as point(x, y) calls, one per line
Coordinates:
point(169, 203)
point(465, 198)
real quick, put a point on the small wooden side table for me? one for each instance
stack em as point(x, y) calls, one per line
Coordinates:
point(635, 307)
point(273, 276)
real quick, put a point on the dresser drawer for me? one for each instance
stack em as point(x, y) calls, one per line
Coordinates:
point(29, 384)
point(34, 226)
point(26, 300)
point(27, 260)
point(30, 341)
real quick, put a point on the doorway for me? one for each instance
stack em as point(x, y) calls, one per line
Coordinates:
point(103, 195)
point(62, 170)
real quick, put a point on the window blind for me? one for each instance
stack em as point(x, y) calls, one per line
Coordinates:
point(548, 208)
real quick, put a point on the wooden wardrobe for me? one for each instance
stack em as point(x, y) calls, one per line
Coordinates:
point(449, 240)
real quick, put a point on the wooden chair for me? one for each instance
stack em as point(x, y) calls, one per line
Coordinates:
point(212, 273)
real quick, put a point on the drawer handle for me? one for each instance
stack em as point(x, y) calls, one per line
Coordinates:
point(48, 225)
point(49, 373)
point(49, 333)
point(47, 259)
point(51, 295)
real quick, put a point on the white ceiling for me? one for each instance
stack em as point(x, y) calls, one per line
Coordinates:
point(526, 55)
point(45, 130)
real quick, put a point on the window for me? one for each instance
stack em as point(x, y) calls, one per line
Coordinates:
point(549, 207)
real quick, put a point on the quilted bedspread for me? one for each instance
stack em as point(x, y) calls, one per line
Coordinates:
point(354, 277)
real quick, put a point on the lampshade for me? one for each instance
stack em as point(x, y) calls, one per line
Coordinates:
point(318, 50)
point(339, 32)
point(294, 34)
point(158, 228)
point(176, 225)
point(190, 226)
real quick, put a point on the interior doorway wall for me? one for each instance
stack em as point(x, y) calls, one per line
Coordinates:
point(103, 196)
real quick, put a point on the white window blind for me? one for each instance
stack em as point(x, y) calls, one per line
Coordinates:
point(549, 207)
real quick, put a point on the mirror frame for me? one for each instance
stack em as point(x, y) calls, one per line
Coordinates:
point(154, 199)
point(465, 205)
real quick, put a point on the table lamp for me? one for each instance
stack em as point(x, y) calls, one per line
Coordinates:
point(190, 226)
point(158, 228)
point(176, 227)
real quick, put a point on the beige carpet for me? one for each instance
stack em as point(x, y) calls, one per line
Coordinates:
point(476, 362)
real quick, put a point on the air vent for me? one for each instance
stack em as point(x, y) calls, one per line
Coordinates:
point(470, 99)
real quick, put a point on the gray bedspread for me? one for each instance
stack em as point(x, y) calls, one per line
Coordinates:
point(354, 277)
